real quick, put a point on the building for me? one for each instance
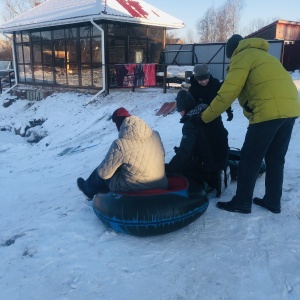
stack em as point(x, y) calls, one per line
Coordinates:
point(78, 43)
point(289, 32)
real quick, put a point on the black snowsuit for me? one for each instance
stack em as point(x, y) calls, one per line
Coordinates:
point(205, 94)
point(203, 148)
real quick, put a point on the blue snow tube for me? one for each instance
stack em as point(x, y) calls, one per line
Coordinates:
point(152, 212)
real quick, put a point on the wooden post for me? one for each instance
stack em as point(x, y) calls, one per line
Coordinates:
point(165, 78)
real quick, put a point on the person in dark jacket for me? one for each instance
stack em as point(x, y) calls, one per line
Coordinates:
point(203, 149)
point(204, 87)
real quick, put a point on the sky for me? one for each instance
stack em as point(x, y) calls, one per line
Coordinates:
point(53, 246)
point(193, 10)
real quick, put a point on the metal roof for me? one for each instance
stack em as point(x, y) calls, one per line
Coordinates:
point(61, 12)
point(273, 24)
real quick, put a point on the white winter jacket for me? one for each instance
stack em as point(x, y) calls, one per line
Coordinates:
point(135, 161)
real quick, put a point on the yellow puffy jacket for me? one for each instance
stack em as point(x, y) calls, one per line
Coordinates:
point(265, 90)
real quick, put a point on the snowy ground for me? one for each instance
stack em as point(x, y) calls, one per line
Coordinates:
point(52, 245)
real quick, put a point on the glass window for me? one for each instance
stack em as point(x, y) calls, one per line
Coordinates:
point(97, 76)
point(72, 63)
point(21, 73)
point(97, 31)
point(58, 34)
point(28, 73)
point(48, 74)
point(59, 52)
point(112, 76)
point(35, 36)
point(96, 51)
point(26, 51)
point(18, 37)
point(60, 75)
point(86, 75)
point(72, 74)
point(47, 53)
point(85, 49)
point(19, 54)
point(59, 56)
point(71, 32)
point(46, 35)
point(72, 51)
point(85, 31)
point(38, 74)
point(37, 55)
point(25, 36)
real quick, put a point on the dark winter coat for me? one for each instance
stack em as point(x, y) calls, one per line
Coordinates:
point(203, 147)
point(206, 94)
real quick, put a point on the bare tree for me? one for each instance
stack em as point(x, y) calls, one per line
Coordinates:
point(257, 24)
point(171, 38)
point(13, 8)
point(5, 50)
point(219, 24)
point(189, 37)
point(206, 26)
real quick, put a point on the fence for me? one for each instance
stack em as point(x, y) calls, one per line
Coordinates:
point(212, 54)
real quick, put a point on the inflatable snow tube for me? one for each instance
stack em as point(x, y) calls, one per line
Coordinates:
point(152, 212)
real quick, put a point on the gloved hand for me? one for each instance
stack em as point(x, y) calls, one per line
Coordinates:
point(229, 115)
point(176, 149)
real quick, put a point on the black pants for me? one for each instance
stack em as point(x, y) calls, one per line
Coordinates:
point(95, 184)
point(270, 141)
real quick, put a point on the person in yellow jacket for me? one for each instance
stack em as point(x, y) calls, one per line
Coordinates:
point(270, 101)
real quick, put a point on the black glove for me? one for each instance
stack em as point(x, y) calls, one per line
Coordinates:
point(229, 115)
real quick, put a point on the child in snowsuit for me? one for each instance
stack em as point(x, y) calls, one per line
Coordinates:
point(204, 87)
point(203, 149)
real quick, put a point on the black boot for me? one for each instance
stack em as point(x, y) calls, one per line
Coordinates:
point(82, 186)
point(261, 202)
point(233, 207)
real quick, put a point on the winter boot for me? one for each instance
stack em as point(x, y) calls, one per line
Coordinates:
point(261, 202)
point(233, 207)
point(82, 186)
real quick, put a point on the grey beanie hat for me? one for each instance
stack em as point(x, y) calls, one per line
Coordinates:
point(184, 101)
point(201, 72)
point(232, 44)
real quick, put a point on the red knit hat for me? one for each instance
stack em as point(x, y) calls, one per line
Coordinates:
point(119, 115)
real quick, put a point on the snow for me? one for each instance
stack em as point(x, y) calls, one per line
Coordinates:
point(53, 246)
point(58, 12)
